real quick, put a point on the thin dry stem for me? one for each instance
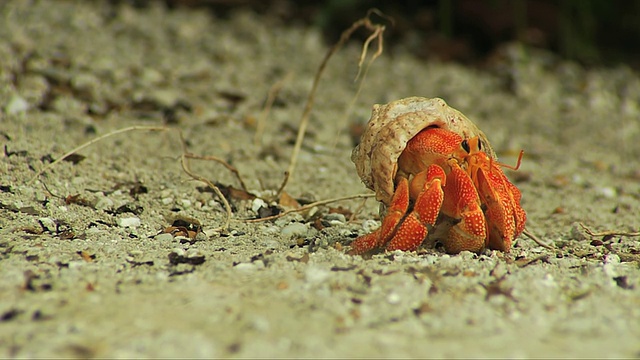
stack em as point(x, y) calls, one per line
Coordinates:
point(378, 31)
point(184, 162)
point(91, 142)
point(537, 240)
point(229, 167)
point(309, 206)
point(357, 210)
point(304, 121)
point(609, 232)
point(185, 167)
point(271, 97)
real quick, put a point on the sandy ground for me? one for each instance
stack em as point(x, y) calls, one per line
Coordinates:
point(88, 277)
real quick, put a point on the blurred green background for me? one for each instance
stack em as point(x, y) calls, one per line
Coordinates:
point(592, 32)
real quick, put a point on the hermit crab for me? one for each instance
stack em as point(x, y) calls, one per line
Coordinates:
point(437, 179)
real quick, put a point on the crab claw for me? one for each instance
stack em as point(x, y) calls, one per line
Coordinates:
point(501, 198)
point(462, 203)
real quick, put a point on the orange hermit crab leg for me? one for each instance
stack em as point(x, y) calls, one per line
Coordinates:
point(413, 230)
point(406, 231)
point(397, 209)
point(462, 202)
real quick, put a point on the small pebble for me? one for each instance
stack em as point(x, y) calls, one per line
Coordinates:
point(295, 229)
point(257, 204)
point(548, 281)
point(335, 216)
point(136, 253)
point(48, 224)
point(104, 203)
point(370, 225)
point(76, 264)
point(191, 253)
point(245, 267)
point(393, 298)
point(316, 275)
point(269, 230)
point(129, 222)
point(261, 324)
point(16, 105)
point(608, 192)
point(611, 262)
point(178, 251)
point(336, 219)
point(164, 98)
point(165, 237)
point(150, 77)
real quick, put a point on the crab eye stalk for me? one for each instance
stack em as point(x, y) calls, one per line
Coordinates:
point(465, 146)
point(479, 145)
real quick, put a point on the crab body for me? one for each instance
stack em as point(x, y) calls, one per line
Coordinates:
point(437, 178)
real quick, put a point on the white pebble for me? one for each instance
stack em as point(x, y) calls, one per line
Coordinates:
point(269, 230)
point(165, 237)
point(335, 219)
point(179, 251)
point(191, 253)
point(608, 192)
point(548, 281)
point(295, 229)
point(104, 203)
point(393, 298)
point(16, 105)
point(76, 264)
point(370, 225)
point(261, 324)
point(129, 222)
point(245, 267)
point(257, 204)
point(611, 262)
point(316, 275)
point(335, 216)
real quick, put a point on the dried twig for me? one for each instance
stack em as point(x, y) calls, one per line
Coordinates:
point(271, 97)
point(537, 240)
point(357, 210)
point(376, 34)
point(309, 206)
point(91, 142)
point(184, 161)
point(304, 121)
point(229, 167)
point(609, 232)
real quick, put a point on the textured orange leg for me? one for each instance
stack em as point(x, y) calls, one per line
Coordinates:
point(461, 202)
point(397, 209)
point(503, 210)
point(413, 230)
point(365, 243)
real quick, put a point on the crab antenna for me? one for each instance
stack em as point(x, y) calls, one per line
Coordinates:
point(517, 163)
point(507, 165)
